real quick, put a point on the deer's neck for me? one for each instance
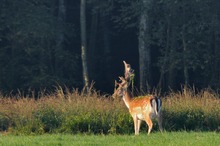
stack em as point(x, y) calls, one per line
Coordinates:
point(127, 98)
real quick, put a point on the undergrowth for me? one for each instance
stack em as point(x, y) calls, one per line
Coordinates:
point(93, 113)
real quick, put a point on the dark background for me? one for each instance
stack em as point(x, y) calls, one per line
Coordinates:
point(31, 57)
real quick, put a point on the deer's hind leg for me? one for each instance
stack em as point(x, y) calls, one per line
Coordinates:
point(149, 123)
point(159, 119)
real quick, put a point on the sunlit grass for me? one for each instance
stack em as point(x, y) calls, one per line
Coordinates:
point(155, 139)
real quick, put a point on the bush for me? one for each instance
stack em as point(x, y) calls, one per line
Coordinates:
point(4, 122)
point(191, 111)
point(49, 119)
point(98, 122)
point(184, 120)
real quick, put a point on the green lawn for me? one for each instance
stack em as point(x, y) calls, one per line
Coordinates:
point(164, 139)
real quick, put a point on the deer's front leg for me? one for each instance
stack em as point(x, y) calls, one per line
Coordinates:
point(138, 125)
point(136, 128)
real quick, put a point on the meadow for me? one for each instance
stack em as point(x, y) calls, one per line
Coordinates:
point(74, 118)
point(155, 139)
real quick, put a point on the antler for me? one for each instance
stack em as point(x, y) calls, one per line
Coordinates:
point(123, 82)
point(116, 84)
point(127, 69)
point(129, 76)
point(129, 72)
point(122, 79)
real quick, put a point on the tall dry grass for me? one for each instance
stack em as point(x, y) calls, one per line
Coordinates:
point(66, 111)
point(62, 111)
point(191, 110)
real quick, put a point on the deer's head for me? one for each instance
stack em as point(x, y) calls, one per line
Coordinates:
point(120, 88)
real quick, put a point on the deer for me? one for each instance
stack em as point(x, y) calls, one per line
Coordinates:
point(141, 109)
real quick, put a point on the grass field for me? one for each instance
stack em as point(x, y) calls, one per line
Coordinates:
point(155, 139)
point(67, 118)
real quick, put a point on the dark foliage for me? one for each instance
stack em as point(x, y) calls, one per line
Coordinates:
point(184, 43)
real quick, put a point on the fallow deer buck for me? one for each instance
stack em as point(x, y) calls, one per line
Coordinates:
point(141, 109)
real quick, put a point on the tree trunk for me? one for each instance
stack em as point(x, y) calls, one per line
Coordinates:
point(185, 67)
point(171, 76)
point(60, 38)
point(107, 71)
point(144, 48)
point(166, 56)
point(92, 41)
point(83, 44)
point(214, 79)
point(185, 64)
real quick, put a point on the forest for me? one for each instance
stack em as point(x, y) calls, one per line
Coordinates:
point(75, 43)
